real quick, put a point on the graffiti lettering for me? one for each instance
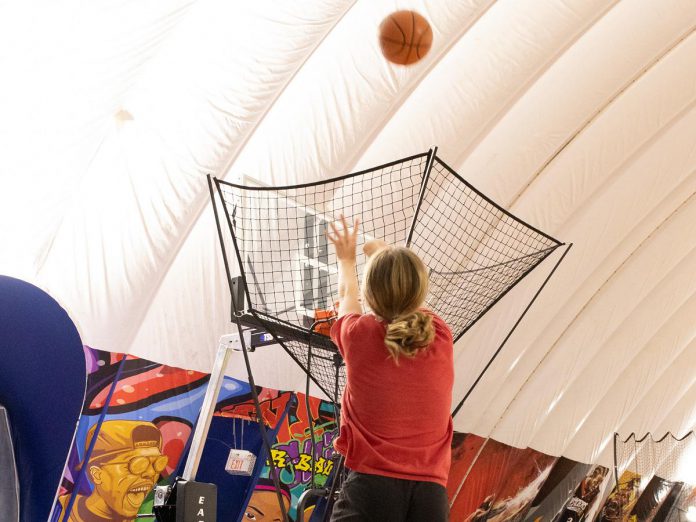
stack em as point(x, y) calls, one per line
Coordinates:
point(323, 466)
point(304, 462)
point(295, 462)
point(279, 458)
point(271, 409)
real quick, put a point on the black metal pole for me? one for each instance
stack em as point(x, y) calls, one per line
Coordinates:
point(219, 230)
point(514, 327)
point(88, 453)
point(236, 249)
point(337, 360)
point(338, 471)
point(310, 420)
point(426, 177)
point(259, 419)
point(252, 385)
point(307, 402)
point(616, 464)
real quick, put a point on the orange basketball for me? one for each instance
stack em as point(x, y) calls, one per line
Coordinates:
point(405, 37)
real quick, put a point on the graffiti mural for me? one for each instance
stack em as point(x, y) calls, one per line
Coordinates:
point(465, 449)
point(293, 450)
point(142, 414)
point(125, 464)
point(652, 500)
point(622, 499)
point(586, 496)
point(558, 489)
point(263, 504)
point(501, 484)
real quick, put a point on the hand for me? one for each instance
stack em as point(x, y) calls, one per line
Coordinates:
point(344, 241)
point(373, 246)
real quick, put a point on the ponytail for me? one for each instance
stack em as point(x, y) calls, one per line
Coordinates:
point(395, 287)
point(409, 334)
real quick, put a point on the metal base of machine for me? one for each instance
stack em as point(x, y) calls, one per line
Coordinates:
point(186, 501)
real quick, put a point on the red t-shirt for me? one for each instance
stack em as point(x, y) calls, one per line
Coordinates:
point(395, 420)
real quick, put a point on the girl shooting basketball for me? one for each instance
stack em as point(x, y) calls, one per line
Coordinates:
point(396, 426)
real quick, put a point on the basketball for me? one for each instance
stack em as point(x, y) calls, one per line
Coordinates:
point(405, 37)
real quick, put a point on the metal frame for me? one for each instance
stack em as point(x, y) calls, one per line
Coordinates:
point(13, 480)
point(514, 326)
point(306, 494)
point(251, 315)
point(240, 342)
point(432, 157)
point(616, 463)
point(88, 453)
point(432, 154)
point(281, 330)
point(228, 343)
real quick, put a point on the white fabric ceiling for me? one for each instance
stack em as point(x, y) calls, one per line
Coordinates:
point(578, 115)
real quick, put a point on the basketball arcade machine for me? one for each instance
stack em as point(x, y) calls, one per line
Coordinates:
point(474, 249)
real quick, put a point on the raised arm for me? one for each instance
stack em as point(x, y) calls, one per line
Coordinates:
point(344, 242)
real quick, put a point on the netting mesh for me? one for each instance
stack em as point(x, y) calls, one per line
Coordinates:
point(475, 250)
point(656, 478)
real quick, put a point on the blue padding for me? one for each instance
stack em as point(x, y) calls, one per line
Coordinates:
point(42, 385)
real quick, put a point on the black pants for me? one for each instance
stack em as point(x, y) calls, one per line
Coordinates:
point(366, 498)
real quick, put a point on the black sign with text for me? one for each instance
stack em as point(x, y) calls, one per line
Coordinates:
point(196, 502)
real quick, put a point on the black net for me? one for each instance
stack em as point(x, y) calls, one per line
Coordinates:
point(475, 250)
point(656, 479)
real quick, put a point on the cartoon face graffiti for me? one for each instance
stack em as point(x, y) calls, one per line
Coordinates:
point(263, 505)
point(123, 482)
point(125, 464)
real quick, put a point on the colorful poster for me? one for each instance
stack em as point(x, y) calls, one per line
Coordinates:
point(292, 452)
point(465, 448)
point(501, 484)
point(587, 495)
point(136, 420)
point(622, 499)
point(669, 505)
point(557, 490)
point(651, 500)
point(234, 428)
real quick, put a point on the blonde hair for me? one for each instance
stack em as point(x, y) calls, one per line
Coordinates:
point(395, 286)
